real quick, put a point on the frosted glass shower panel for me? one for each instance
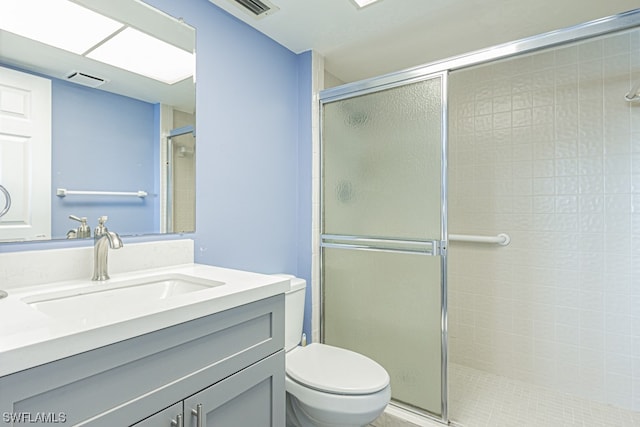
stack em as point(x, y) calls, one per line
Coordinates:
point(382, 221)
point(382, 153)
point(387, 306)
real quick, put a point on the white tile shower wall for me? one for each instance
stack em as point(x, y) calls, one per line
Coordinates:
point(544, 147)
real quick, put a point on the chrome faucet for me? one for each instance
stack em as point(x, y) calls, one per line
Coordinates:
point(102, 238)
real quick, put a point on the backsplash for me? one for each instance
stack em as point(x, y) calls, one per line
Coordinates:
point(545, 148)
point(18, 269)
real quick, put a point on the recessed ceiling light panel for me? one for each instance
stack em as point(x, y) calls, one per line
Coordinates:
point(58, 23)
point(143, 54)
point(66, 25)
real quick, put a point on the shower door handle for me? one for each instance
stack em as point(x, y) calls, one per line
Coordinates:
point(366, 243)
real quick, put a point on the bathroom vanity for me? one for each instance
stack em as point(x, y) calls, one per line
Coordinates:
point(201, 356)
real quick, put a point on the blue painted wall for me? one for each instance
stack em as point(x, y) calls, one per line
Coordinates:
point(247, 103)
point(253, 103)
point(305, 158)
point(91, 153)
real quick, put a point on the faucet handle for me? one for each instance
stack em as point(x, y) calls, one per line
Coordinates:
point(75, 218)
point(83, 230)
point(101, 228)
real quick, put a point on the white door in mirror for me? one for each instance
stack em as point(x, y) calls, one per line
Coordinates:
point(25, 155)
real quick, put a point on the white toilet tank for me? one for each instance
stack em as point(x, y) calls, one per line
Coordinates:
point(293, 312)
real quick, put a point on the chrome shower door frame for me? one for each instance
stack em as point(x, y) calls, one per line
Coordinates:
point(374, 243)
point(578, 32)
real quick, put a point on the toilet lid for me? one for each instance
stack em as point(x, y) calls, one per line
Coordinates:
point(335, 370)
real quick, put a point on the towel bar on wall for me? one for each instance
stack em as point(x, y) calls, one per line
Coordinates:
point(502, 239)
point(62, 192)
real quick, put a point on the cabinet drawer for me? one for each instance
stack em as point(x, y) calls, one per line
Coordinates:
point(126, 381)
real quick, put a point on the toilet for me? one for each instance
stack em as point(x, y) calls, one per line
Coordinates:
point(328, 386)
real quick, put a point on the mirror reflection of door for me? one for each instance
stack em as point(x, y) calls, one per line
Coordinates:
point(25, 155)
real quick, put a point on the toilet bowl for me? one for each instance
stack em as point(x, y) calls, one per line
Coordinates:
point(331, 386)
point(328, 386)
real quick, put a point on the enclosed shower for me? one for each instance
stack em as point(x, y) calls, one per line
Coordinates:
point(480, 234)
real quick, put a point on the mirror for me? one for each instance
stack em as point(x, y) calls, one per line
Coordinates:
point(121, 145)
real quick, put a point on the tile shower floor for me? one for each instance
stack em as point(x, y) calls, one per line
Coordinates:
point(480, 399)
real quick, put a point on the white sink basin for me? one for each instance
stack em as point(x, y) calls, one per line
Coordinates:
point(101, 300)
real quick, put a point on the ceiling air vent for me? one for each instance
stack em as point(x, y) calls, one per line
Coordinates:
point(257, 8)
point(85, 79)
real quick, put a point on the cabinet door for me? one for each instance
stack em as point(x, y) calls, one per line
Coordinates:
point(254, 397)
point(169, 417)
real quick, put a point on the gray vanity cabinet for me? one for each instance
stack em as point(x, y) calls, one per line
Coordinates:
point(245, 399)
point(231, 363)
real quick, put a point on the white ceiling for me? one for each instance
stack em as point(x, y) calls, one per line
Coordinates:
point(392, 35)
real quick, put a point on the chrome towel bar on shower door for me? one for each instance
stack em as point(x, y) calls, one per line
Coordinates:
point(369, 243)
point(62, 192)
point(502, 239)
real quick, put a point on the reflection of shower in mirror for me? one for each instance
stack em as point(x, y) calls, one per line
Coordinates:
point(179, 171)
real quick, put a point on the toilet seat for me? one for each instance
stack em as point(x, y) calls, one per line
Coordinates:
point(335, 370)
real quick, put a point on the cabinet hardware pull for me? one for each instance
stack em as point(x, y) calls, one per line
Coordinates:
point(177, 422)
point(198, 413)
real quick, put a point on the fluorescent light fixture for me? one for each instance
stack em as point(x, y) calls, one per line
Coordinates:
point(69, 26)
point(58, 23)
point(143, 54)
point(363, 3)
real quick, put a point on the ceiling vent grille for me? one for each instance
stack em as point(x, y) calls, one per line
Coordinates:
point(85, 79)
point(258, 8)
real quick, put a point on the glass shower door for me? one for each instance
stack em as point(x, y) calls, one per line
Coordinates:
point(383, 226)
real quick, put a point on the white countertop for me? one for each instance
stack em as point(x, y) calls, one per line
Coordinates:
point(30, 338)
